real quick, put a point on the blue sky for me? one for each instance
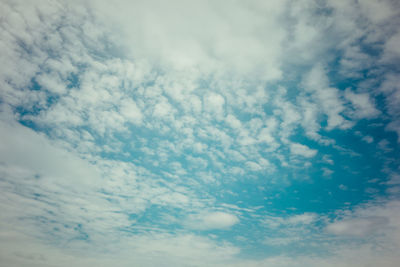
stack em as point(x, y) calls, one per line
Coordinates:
point(199, 133)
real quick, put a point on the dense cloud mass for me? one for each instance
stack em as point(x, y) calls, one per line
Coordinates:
point(199, 133)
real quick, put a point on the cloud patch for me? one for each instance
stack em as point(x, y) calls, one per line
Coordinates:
point(302, 150)
point(211, 221)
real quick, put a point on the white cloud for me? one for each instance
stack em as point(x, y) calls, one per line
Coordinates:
point(211, 220)
point(174, 199)
point(281, 241)
point(327, 172)
point(172, 69)
point(328, 98)
point(235, 38)
point(369, 139)
point(364, 108)
point(157, 249)
point(24, 148)
point(130, 110)
point(302, 150)
point(343, 187)
point(163, 108)
point(360, 227)
point(305, 218)
point(392, 50)
point(377, 11)
point(233, 122)
point(51, 82)
point(253, 166)
point(327, 159)
point(394, 179)
point(310, 121)
point(214, 103)
point(391, 89)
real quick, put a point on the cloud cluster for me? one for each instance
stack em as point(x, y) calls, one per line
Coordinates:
point(158, 132)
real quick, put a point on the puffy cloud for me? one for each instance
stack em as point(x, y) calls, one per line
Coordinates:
point(302, 150)
point(130, 110)
point(214, 103)
point(233, 121)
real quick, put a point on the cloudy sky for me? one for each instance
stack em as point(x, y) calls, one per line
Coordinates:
point(200, 133)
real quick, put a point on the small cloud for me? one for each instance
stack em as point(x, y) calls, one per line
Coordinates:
point(302, 150)
point(368, 139)
point(326, 172)
point(214, 103)
point(306, 218)
point(384, 145)
point(253, 166)
point(327, 159)
point(343, 187)
point(211, 220)
point(163, 109)
point(233, 122)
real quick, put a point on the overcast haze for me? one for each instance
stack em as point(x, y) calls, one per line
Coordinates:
point(200, 133)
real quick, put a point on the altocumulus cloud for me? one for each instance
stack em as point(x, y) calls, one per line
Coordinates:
point(199, 133)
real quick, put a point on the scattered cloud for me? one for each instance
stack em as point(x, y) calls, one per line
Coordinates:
point(175, 133)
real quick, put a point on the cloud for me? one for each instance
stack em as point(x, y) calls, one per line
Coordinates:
point(328, 98)
point(302, 150)
point(23, 148)
point(130, 110)
point(369, 139)
point(305, 218)
point(174, 34)
point(126, 125)
point(281, 241)
point(214, 103)
point(211, 220)
point(360, 227)
point(375, 224)
point(391, 50)
point(369, 220)
point(327, 172)
point(150, 250)
point(233, 121)
point(343, 187)
point(391, 90)
point(364, 107)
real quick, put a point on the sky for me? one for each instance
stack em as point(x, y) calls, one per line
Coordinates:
point(200, 133)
